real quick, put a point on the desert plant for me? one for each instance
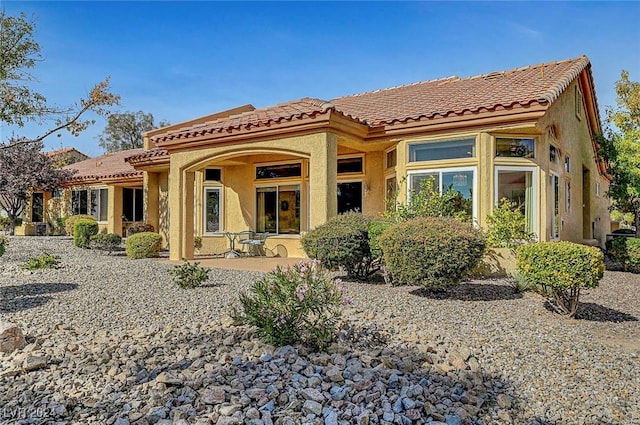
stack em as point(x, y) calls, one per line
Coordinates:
point(189, 275)
point(432, 251)
point(342, 243)
point(139, 228)
point(105, 241)
point(507, 226)
point(83, 229)
point(301, 303)
point(69, 222)
point(144, 245)
point(43, 261)
point(625, 251)
point(429, 202)
point(3, 243)
point(561, 270)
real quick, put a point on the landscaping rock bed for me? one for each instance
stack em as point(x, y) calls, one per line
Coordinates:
point(113, 341)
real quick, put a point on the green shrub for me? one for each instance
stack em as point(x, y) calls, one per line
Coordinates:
point(561, 270)
point(301, 303)
point(189, 275)
point(70, 222)
point(3, 243)
point(506, 227)
point(43, 261)
point(139, 228)
point(105, 241)
point(432, 251)
point(144, 245)
point(625, 251)
point(5, 223)
point(376, 228)
point(341, 243)
point(429, 202)
point(83, 229)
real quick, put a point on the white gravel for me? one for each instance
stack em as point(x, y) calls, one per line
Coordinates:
point(106, 328)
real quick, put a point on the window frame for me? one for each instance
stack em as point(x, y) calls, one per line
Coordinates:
point(555, 200)
point(386, 158)
point(79, 211)
point(578, 102)
point(134, 205)
point(473, 157)
point(362, 190)
point(354, 173)
point(515, 137)
point(220, 209)
point(474, 197)
point(90, 201)
point(268, 164)
point(535, 190)
point(204, 175)
point(277, 186)
point(554, 147)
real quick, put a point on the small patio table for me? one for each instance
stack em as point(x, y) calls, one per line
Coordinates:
point(233, 237)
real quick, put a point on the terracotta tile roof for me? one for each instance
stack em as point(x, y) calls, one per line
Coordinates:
point(104, 167)
point(429, 99)
point(152, 153)
point(538, 84)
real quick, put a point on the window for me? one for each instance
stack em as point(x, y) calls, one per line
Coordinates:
point(278, 209)
point(392, 159)
point(212, 210)
point(132, 204)
point(517, 184)
point(78, 202)
point(514, 147)
point(37, 207)
point(567, 164)
point(350, 165)
point(578, 102)
point(461, 180)
point(567, 196)
point(554, 155)
point(100, 204)
point(56, 194)
point(555, 206)
point(450, 149)
point(349, 197)
point(278, 171)
point(212, 174)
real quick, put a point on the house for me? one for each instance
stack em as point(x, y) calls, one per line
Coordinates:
point(526, 134)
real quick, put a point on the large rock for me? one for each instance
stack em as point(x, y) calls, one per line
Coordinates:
point(11, 337)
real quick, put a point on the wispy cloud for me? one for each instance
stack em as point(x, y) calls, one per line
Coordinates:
point(526, 31)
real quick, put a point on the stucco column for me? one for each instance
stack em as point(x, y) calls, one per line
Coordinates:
point(486, 188)
point(114, 224)
point(181, 223)
point(188, 216)
point(323, 181)
point(151, 199)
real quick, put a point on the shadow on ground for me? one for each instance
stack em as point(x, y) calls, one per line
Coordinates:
point(470, 292)
point(599, 313)
point(16, 298)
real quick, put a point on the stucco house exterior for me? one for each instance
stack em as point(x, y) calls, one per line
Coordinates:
point(526, 134)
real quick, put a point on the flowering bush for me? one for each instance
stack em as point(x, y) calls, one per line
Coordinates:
point(301, 303)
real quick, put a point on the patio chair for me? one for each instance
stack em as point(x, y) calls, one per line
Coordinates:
point(255, 244)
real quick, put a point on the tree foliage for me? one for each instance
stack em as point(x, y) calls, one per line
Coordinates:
point(124, 130)
point(21, 104)
point(620, 148)
point(23, 168)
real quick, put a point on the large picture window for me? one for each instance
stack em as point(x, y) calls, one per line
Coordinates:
point(132, 204)
point(278, 209)
point(349, 197)
point(462, 180)
point(517, 184)
point(212, 210)
point(450, 149)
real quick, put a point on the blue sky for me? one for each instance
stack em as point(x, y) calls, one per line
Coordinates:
point(181, 60)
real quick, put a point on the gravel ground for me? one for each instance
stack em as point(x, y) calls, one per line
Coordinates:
point(113, 341)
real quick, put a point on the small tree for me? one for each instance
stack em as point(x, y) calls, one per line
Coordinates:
point(124, 130)
point(507, 226)
point(23, 168)
point(620, 149)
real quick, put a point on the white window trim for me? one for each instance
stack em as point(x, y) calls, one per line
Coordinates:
point(98, 205)
point(277, 186)
point(220, 209)
point(204, 175)
point(426, 142)
point(536, 196)
point(349, 157)
point(474, 170)
point(552, 211)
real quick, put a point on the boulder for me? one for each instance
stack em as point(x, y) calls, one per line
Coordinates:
point(11, 337)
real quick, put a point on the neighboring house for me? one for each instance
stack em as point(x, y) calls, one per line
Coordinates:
point(40, 211)
point(526, 134)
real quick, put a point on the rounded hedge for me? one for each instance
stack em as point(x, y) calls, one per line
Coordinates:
point(83, 229)
point(341, 242)
point(625, 251)
point(69, 222)
point(139, 228)
point(432, 251)
point(106, 241)
point(144, 245)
